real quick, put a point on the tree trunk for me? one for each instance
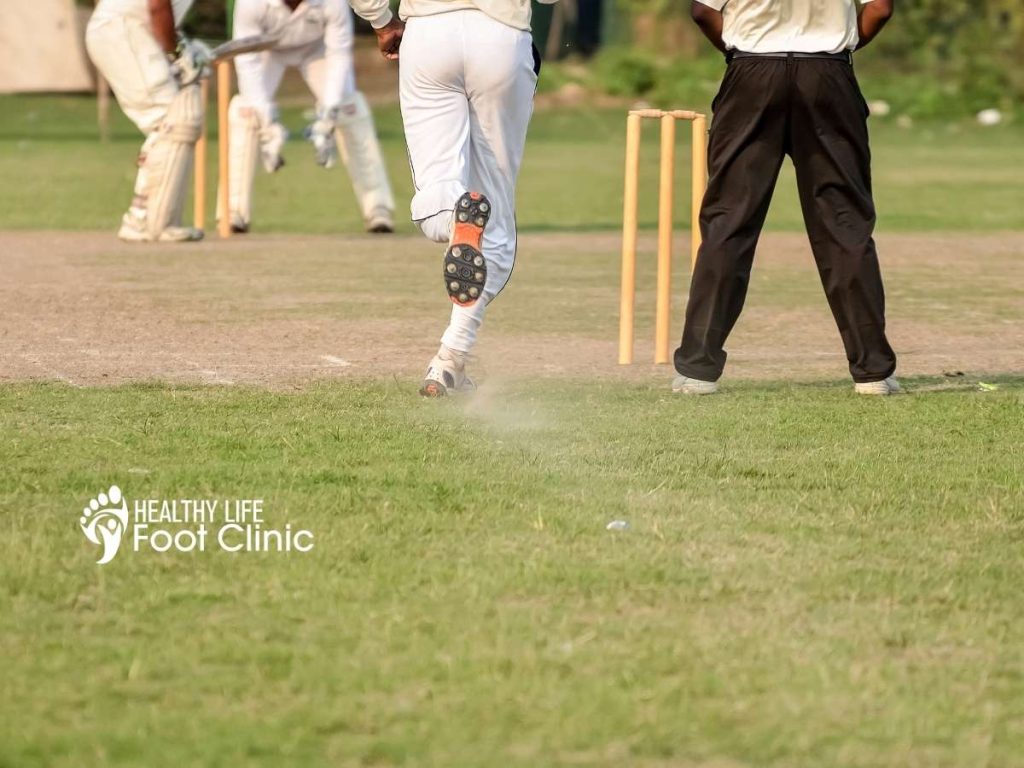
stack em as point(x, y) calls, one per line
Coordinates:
point(666, 34)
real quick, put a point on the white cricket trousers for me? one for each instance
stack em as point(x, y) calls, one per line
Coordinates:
point(312, 63)
point(467, 84)
point(129, 57)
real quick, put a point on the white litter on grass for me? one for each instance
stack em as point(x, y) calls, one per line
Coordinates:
point(988, 117)
point(617, 525)
point(337, 362)
point(986, 387)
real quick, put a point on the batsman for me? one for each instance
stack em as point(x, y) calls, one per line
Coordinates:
point(314, 36)
point(154, 74)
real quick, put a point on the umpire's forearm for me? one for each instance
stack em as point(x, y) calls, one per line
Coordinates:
point(710, 22)
point(873, 16)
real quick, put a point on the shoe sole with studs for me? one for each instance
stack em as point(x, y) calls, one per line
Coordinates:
point(465, 268)
point(431, 388)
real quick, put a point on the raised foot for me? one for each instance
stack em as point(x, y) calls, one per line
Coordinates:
point(465, 267)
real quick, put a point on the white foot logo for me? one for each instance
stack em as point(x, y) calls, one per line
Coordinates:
point(104, 521)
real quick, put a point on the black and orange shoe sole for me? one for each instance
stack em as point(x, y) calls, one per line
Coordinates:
point(465, 268)
point(431, 388)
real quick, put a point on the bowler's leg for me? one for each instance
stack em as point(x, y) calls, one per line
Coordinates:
point(435, 114)
point(500, 86)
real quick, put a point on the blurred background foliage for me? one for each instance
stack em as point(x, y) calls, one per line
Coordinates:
point(937, 58)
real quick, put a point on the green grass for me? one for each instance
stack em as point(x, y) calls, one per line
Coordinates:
point(936, 176)
point(809, 579)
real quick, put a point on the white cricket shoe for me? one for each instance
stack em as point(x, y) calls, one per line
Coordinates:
point(133, 230)
point(884, 387)
point(239, 226)
point(446, 373)
point(380, 222)
point(684, 385)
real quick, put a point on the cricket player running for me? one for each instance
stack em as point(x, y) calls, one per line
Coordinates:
point(154, 74)
point(468, 73)
point(316, 37)
point(789, 89)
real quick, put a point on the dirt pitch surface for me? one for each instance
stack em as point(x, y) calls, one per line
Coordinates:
point(287, 310)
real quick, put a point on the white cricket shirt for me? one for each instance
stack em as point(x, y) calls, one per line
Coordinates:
point(326, 21)
point(789, 26)
point(312, 24)
point(514, 13)
point(137, 9)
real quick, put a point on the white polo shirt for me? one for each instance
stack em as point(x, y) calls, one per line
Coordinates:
point(137, 10)
point(789, 26)
point(314, 21)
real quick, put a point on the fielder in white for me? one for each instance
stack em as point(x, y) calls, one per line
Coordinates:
point(316, 37)
point(468, 73)
point(154, 74)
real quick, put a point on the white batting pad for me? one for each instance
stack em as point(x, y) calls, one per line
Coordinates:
point(360, 151)
point(244, 127)
point(166, 160)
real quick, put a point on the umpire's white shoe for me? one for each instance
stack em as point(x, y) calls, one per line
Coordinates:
point(133, 230)
point(887, 386)
point(446, 374)
point(684, 385)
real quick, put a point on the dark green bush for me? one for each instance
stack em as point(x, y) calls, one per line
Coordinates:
point(937, 58)
point(625, 72)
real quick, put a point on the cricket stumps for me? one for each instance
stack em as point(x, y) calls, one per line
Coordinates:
point(630, 221)
point(222, 70)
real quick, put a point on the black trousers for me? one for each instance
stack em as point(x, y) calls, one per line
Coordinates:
point(813, 111)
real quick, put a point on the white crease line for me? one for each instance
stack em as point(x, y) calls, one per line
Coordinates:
point(335, 362)
point(213, 377)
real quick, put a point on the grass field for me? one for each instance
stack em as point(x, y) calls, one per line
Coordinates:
point(807, 578)
point(938, 176)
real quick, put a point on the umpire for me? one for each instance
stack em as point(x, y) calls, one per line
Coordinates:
point(789, 89)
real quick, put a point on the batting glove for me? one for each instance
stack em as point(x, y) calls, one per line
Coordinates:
point(272, 139)
point(321, 133)
point(192, 62)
